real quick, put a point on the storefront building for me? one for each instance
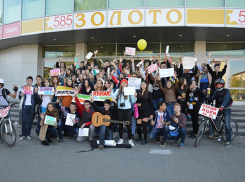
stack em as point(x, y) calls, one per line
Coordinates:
point(35, 33)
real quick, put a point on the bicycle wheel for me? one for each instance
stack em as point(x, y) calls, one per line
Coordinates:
point(234, 130)
point(200, 133)
point(8, 136)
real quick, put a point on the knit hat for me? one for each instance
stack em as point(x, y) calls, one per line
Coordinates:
point(124, 80)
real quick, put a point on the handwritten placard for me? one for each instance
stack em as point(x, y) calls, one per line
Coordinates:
point(55, 72)
point(69, 119)
point(83, 132)
point(189, 62)
point(46, 90)
point(49, 120)
point(28, 90)
point(4, 112)
point(89, 55)
point(82, 98)
point(130, 51)
point(101, 95)
point(208, 111)
point(134, 82)
point(166, 72)
point(129, 90)
point(152, 68)
point(64, 91)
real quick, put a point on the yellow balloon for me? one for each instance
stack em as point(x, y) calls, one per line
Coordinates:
point(142, 44)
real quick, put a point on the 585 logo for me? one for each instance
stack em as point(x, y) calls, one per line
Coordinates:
point(61, 22)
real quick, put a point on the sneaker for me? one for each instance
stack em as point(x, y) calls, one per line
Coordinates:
point(144, 142)
point(22, 138)
point(181, 145)
point(115, 135)
point(45, 143)
point(211, 136)
point(60, 140)
point(227, 144)
point(131, 143)
point(28, 138)
point(90, 141)
point(158, 140)
point(69, 137)
point(138, 139)
point(176, 142)
point(192, 136)
point(132, 137)
point(163, 143)
point(101, 146)
point(120, 141)
point(49, 141)
point(189, 116)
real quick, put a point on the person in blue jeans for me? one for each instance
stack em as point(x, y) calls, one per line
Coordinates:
point(28, 107)
point(176, 128)
point(159, 120)
point(106, 132)
point(223, 102)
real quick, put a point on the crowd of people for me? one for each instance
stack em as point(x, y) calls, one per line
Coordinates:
point(160, 106)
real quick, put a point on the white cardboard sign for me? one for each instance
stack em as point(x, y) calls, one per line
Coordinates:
point(208, 111)
point(166, 72)
point(130, 51)
point(189, 62)
point(83, 132)
point(69, 119)
point(129, 90)
point(134, 82)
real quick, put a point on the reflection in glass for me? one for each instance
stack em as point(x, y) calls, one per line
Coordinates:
point(235, 4)
point(54, 7)
point(126, 4)
point(237, 95)
point(178, 49)
point(237, 72)
point(12, 11)
point(1, 11)
point(206, 3)
point(58, 51)
point(30, 10)
point(222, 49)
point(159, 3)
point(103, 49)
point(84, 5)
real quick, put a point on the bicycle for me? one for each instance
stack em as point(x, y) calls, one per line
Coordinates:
point(8, 133)
point(220, 130)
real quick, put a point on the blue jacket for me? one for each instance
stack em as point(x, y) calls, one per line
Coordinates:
point(34, 98)
point(165, 115)
point(128, 102)
point(223, 98)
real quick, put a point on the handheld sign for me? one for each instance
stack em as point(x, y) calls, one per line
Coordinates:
point(189, 62)
point(4, 112)
point(69, 119)
point(208, 111)
point(152, 68)
point(49, 120)
point(129, 90)
point(130, 51)
point(167, 49)
point(83, 132)
point(64, 91)
point(28, 90)
point(89, 55)
point(82, 98)
point(55, 72)
point(166, 72)
point(46, 90)
point(134, 82)
point(101, 95)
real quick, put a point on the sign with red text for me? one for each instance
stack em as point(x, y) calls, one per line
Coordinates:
point(11, 30)
point(101, 95)
point(208, 111)
point(58, 23)
point(28, 90)
point(64, 91)
point(82, 98)
point(55, 72)
point(4, 112)
point(152, 68)
point(130, 51)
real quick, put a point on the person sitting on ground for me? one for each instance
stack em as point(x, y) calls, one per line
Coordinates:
point(176, 129)
point(106, 133)
point(161, 118)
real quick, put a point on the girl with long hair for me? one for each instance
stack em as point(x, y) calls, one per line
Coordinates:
point(45, 98)
point(87, 87)
point(68, 72)
point(55, 83)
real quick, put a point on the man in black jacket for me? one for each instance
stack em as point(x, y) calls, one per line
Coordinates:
point(216, 74)
point(188, 76)
point(106, 133)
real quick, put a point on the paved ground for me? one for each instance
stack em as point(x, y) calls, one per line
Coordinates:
point(211, 161)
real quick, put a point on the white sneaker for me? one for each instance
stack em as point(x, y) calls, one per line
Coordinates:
point(28, 138)
point(22, 138)
point(131, 143)
point(120, 141)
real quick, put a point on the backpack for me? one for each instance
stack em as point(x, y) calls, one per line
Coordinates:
point(4, 95)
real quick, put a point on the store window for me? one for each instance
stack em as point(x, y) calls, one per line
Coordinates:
point(103, 49)
point(178, 49)
point(237, 78)
point(1, 11)
point(30, 10)
point(58, 51)
point(12, 11)
point(54, 7)
point(159, 3)
point(126, 4)
point(84, 5)
point(235, 3)
point(206, 3)
point(222, 49)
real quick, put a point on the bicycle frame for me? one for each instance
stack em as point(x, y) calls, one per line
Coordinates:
point(215, 127)
point(10, 122)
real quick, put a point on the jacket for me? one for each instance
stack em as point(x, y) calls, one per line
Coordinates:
point(215, 76)
point(146, 104)
point(223, 98)
point(188, 76)
point(165, 115)
point(34, 98)
point(128, 102)
point(169, 93)
point(43, 129)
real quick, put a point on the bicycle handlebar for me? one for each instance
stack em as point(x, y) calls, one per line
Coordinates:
point(8, 105)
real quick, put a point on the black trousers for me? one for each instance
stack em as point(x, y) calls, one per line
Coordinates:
point(194, 117)
point(125, 115)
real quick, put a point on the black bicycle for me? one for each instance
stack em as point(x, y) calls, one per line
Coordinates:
point(220, 130)
point(8, 133)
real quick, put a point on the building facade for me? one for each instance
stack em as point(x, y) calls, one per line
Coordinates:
point(35, 33)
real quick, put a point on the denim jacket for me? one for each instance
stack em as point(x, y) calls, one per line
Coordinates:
point(165, 115)
point(34, 97)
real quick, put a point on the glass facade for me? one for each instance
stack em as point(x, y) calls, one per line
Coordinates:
point(235, 3)
point(237, 74)
point(1, 11)
point(54, 7)
point(58, 51)
point(103, 49)
point(84, 5)
point(126, 4)
point(30, 11)
point(12, 11)
point(206, 3)
point(159, 3)
point(222, 49)
point(178, 49)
